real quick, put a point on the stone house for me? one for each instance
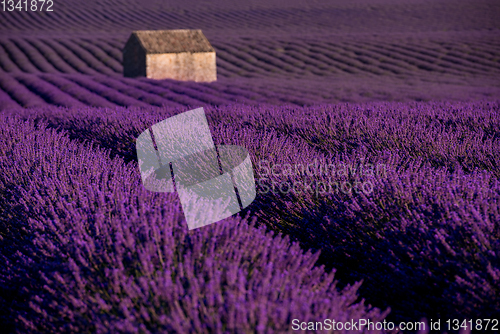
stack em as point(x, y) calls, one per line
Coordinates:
point(169, 54)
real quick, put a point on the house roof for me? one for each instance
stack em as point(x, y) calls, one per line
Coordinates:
point(173, 41)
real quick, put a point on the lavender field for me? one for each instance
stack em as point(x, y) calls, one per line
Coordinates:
point(374, 132)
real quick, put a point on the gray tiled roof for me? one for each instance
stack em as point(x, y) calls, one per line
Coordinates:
point(173, 41)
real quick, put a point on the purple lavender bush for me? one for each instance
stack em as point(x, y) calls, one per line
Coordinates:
point(27, 50)
point(48, 92)
point(87, 249)
point(51, 56)
point(428, 228)
point(18, 93)
point(78, 92)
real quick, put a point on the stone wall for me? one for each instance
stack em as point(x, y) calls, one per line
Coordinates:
point(184, 66)
point(134, 59)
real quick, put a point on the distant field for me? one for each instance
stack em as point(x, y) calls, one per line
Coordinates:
point(323, 53)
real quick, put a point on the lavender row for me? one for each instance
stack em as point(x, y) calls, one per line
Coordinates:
point(140, 94)
point(430, 215)
point(425, 230)
point(78, 92)
point(175, 95)
point(104, 91)
point(70, 57)
point(86, 56)
point(146, 92)
point(102, 55)
point(6, 64)
point(34, 56)
point(6, 102)
point(18, 57)
point(192, 90)
point(447, 135)
point(92, 251)
point(18, 93)
point(51, 56)
point(101, 91)
point(48, 92)
point(427, 235)
point(107, 46)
